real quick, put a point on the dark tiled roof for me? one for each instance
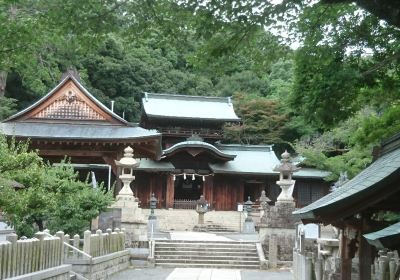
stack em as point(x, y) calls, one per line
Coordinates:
point(74, 131)
point(365, 182)
point(388, 237)
point(198, 144)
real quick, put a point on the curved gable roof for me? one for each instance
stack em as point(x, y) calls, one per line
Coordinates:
point(57, 105)
point(199, 145)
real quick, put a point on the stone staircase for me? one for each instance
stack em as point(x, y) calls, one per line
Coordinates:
point(210, 254)
point(211, 227)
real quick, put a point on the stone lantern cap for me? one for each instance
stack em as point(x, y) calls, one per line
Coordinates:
point(286, 166)
point(202, 205)
point(127, 161)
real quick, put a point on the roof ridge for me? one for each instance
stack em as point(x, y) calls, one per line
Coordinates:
point(265, 148)
point(187, 97)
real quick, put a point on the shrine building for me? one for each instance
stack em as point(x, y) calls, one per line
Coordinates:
point(177, 142)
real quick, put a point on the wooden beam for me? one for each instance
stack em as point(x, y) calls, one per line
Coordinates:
point(74, 153)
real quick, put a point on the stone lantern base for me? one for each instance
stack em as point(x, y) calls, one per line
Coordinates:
point(277, 232)
point(132, 220)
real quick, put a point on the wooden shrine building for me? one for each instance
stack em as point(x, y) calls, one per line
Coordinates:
point(177, 143)
point(69, 121)
point(194, 162)
point(357, 208)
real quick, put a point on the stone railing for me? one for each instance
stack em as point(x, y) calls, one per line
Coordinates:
point(322, 262)
point(98, 255)
point(40, 257)
point(386, 266)
point(316, 262)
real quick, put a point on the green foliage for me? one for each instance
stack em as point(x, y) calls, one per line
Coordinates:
point(262, 121)
point(7, 107)
point(378, 127)
point(52, 197)
point(337, 150)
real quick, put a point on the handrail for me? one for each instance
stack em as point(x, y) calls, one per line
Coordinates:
point(77, 250)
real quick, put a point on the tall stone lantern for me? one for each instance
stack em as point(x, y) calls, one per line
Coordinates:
point(286, 183)
point(127, 164)
point(132, 218)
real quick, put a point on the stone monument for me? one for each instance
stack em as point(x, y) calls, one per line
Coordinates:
point(132, 218)
point(277, 226)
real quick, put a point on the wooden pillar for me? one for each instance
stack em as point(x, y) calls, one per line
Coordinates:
point(365, 255)
point(365, 250)
point(170, 191)
point(208, 190)
point(346, 261)
point(348, 250)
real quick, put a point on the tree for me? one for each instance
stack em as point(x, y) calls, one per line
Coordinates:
point(262, 121)
point(52, 197)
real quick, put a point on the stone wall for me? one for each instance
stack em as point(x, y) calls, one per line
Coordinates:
point(100, 268)
point(185, 220)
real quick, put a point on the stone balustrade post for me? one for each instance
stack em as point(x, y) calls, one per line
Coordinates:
point(60, 234)
point(75, 243)
point(40, 236)
point(12, 266)
point(86, 242)
point(100, 237)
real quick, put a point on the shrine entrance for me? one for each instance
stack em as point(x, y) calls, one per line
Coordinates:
point(188, 188)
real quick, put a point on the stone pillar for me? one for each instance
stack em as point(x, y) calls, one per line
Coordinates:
point(277, 225)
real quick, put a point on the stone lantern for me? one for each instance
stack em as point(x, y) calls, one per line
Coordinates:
point(153, 205)
point(249, 208)
point(132, 218)
point(127, 164)
point(286, 169)
point(201, 209)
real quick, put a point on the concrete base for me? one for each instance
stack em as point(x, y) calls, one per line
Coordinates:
point(55, 273)
point(249, 227)
point(101, 268)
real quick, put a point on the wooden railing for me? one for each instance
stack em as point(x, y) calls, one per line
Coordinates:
point(202, 132)
point(185, 204)
point(18, 257)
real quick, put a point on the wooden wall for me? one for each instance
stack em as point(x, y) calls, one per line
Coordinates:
point(223, 191)
point(147, 183)
point(228, 191)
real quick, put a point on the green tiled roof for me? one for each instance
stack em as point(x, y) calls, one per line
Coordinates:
point(385, 238)
point(257, 160)
point(156, 105)
point(354, 190)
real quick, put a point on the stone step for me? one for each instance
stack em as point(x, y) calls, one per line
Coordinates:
point(207, 249)
point(207, 265)
point(208, 252)
point(215, 262)
point(215, 254)
point(204, 242)
point(207, 257)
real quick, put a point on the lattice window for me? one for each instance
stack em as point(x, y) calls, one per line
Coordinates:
point(71, 107)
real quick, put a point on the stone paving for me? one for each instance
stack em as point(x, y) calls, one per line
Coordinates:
point(200, 274)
